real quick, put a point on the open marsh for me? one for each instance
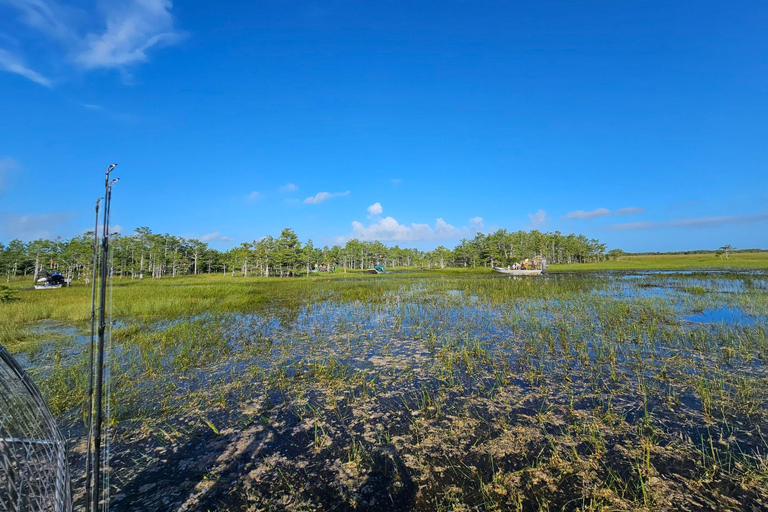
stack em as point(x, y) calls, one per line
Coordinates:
point(440, 391)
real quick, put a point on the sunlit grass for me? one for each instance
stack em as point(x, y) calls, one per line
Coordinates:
point(471, 389)
point(739, 260)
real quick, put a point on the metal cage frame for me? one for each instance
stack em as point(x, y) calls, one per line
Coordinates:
point(34, 473)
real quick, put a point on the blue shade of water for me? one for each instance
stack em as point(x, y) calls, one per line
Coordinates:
point(730, 316)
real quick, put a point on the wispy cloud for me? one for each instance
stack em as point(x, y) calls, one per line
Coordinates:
point(15, 64)
point(48, 17)
point(252, 196)
point(288, 187)
point(216, 236)
point(31, 227)
point(602, 212)
point(375, 209)
point(132, 28)
point(323, 196)
point(694, 223)
point(128, 31)
point(628, 211)
point(396, 181)
point(538, 219)
point(477, 222)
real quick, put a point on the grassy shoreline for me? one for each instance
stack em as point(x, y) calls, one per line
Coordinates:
point(745, 260)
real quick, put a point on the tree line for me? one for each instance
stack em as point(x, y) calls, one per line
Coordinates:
point(147, 254)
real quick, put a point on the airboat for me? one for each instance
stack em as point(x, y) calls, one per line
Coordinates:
point(518, 272)
point(528, 267)
point(50, 281)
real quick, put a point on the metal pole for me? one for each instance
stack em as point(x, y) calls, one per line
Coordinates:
point(100, 353)
point(88, 460)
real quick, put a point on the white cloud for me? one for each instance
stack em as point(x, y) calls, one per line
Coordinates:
point(700, 222)
point(252, 196)
point(15, 64)
point(602, 212)
point(289, 187)
point(322, 196)
point(128, 30)
point(375, 209)
point(389, 229)
point(476, 222)
point(538, 219)
point(216, 236)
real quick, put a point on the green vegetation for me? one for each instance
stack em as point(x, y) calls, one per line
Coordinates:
point(6, 293)
point(743, 260)
point(147, 254)
point(434, 390)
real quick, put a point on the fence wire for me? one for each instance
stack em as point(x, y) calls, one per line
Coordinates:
point(34, 475)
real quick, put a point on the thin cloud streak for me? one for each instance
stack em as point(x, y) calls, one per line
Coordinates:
point(14, 64)
point(324, 196)
point(602, 212)
point(696, 223)
point(628, 211)
point(216, 236)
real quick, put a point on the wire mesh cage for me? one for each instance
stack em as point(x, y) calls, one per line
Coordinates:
point(34, 475)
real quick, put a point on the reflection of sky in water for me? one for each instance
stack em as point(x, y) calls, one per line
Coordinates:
point(729, 316)
point(419, 309)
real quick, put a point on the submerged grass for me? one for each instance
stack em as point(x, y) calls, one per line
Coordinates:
point(430, 391)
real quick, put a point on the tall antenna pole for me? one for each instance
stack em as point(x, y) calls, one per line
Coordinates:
point(88, 460)
point(97, 491)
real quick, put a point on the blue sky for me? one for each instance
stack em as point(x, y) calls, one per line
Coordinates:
point(641, 123)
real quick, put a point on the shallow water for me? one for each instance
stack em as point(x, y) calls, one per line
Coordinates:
point(726, 315)
point(451, 383)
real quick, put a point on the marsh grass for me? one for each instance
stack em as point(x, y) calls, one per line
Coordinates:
point(741, 260)
point(442, 391)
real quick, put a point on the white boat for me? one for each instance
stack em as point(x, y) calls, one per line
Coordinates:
point(518, 272)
